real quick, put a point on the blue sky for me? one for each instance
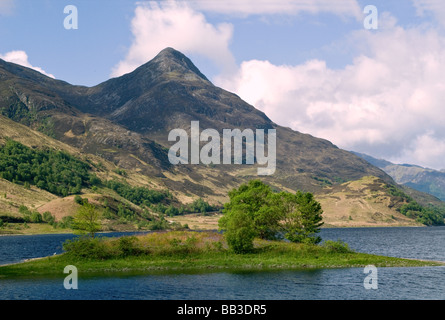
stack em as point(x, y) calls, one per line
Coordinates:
point(87, 55)
point(308, 64)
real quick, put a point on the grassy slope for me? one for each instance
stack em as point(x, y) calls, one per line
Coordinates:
point(41, 200)
point(361, 203)
point(203, 251)
point(353, 204)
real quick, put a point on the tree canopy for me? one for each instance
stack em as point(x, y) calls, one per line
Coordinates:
point(87, 220)
point(51, 170)
point(254, 210)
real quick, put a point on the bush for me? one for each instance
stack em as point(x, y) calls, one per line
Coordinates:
point(337, 246)
point(78, 199)
point(179, 247)
point(240, 242)
point(199, 205)
point(171, 211)
point(240, 233)
point(36, 217)
point(86, 248)
point(24, 210)
point(49, 218)
point(127, 246)
point(160, 224)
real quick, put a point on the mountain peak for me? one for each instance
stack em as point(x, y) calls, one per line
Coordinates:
point(169, 51)
point(170, 60)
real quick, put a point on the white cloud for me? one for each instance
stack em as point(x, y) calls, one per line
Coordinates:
point(287, 7)
point(388, 100)
point(21, 58)
point(428, 149)
point(436, 7)
point(173, 24)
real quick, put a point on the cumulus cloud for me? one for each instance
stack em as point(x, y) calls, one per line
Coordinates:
point(288, 7)
point(427, 148)
point(387, 102)
point(20, 57)
point(435, 7)
point(174, 24)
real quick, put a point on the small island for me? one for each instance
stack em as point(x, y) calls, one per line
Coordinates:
point(260, 230)
point(189, 251)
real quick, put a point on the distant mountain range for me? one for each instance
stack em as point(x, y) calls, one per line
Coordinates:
point(126, 121)
point(416, 177)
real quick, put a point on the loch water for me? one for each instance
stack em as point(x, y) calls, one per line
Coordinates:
point(424, 283)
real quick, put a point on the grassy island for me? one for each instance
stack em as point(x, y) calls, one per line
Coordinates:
point(184, 251)
point(262, 230)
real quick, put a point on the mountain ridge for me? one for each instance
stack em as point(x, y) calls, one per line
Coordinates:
point(126, 120)
point(414, 176)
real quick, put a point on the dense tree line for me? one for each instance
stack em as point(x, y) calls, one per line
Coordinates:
point(55, 171)
point(158, 201)
point(197, 206)
point(427, 215)
point(201, 206)
point(137, 195)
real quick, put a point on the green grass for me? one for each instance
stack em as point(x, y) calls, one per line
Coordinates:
point(185, 251)
point(31, 229)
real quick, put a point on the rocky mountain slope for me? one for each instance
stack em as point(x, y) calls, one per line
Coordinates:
point(416, 177)
point(127, 120)
point(124, 123)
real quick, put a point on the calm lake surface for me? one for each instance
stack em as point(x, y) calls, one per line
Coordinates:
point(337, 284)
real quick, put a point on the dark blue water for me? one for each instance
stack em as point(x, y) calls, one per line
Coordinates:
point(332, 284)
point(416, 243)
point(19, 248)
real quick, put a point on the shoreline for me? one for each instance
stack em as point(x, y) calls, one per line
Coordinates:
point(201, 230)
point(175, 252)
point(46, 267)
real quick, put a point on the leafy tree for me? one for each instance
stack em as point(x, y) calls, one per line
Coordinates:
point(302, 217)
point(249, 214)
point(200, 205)
point(254, 210)
point(256, 202)
point(49, 218)
point(240, 231)
point(87, 220)
point(25, 212)
point(171, 211)
point(78, 199)
point(36, 217)
point(125, 212)
point(67, 222)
